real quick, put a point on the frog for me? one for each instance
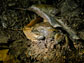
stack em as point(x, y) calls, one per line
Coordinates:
point(44, 29)
point(39, 31)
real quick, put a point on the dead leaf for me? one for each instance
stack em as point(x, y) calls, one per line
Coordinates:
point(28, 29)
point(3, 54)
point(34, 21)
point(29, 34)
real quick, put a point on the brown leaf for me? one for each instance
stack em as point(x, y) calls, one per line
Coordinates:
point(28, 29)
point(3, 54)
point(34, 21)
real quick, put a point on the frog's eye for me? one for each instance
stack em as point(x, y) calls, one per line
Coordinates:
point(36, 32)
point(33, 30)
